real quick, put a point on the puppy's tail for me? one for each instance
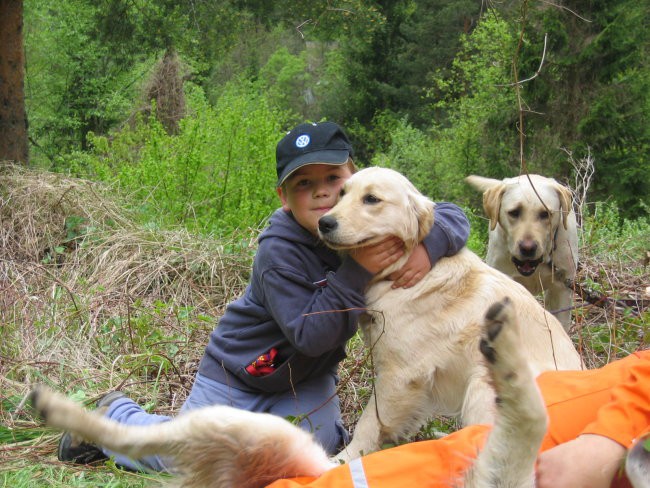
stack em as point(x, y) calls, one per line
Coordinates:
point(214, 446)
point(65, 414)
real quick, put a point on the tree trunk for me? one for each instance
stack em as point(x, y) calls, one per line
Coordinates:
point(13, 119)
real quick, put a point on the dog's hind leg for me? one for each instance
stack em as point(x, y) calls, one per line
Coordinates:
point(509, 455)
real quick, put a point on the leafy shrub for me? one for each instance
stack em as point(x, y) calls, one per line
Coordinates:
point(479, 135)
point(217, 174)
point(608, 235)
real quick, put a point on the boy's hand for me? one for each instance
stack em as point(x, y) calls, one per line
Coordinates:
point(588, 461)
point(377, 256)
point(414, 270)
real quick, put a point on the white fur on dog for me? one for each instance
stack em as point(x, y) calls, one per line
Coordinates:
point(535, 214)
point(424, 339)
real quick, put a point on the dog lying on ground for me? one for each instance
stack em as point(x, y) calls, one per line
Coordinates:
point(533, 235)
point(223, 447)
point(424, 339)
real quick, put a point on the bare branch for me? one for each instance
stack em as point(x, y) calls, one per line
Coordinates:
point(539, 70)
point(584, 169)
point(562, 7)
point(299, 27)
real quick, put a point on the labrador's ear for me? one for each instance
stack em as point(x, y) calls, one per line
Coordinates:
point(492, 193)
point(566, 202)
point(492, 203)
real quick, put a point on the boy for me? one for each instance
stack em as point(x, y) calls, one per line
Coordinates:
point(276, 348)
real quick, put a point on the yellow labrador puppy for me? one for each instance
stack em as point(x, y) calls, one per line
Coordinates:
point(424, 339)
point(533, 235)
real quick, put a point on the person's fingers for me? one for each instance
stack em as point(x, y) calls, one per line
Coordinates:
point(407, 279)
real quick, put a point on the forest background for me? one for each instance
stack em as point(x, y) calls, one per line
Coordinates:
point(152, 133)
point(424, 86)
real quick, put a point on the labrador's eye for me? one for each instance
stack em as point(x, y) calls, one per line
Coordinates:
point(342, 193)
point(544, 215)
point(370, 199)
point(514, 213)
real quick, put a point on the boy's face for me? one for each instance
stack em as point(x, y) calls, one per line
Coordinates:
point(311, 191)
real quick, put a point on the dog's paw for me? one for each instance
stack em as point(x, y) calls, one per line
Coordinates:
point(501, 345)
point(55, 409)
point(499, 334)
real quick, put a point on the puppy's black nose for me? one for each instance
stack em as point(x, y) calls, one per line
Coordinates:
point(327, 224)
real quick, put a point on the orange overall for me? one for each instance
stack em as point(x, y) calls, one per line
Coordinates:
point(613, 401)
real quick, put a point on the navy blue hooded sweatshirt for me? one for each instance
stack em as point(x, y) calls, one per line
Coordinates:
point(305, 301)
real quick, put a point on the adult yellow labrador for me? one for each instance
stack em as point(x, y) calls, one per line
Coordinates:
point(533, 235)
point(424, 339)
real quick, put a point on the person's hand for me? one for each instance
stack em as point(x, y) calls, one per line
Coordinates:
point(414, 270)
point(377, 257)
point(588, 461)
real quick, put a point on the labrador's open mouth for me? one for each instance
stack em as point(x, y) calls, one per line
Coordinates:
point(526, 268)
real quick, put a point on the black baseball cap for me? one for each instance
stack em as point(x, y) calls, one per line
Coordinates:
point(323, 142)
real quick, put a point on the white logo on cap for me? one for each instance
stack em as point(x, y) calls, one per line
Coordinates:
point(302, 141)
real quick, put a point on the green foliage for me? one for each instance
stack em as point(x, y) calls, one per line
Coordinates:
point(607, 233)
point(479, 110)
point(75, 83)
point(46, 476)
point(285, 79)
point(593, 91)
point(479, 106)
point(217, 174)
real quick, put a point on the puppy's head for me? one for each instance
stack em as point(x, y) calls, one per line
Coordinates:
point(376, 203)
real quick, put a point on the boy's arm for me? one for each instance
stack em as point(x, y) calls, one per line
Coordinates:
point(449, 232)
point(447, 236)
point(316, 318)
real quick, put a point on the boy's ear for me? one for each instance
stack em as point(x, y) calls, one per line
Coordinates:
point(283, 199)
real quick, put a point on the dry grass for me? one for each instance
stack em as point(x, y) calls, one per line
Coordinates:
point(91, 301)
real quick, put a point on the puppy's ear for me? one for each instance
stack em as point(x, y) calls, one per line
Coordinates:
point(423, 208)
point(566, 202)
point(492, 203)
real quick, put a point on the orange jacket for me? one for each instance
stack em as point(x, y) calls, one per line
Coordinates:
point(613, 401)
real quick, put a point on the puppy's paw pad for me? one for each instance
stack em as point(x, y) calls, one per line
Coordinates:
point(500, 342)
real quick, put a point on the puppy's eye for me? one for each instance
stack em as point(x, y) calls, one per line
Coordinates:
point(370, 199)
point(342, 192)
point(514, 213)
point(544, 215)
